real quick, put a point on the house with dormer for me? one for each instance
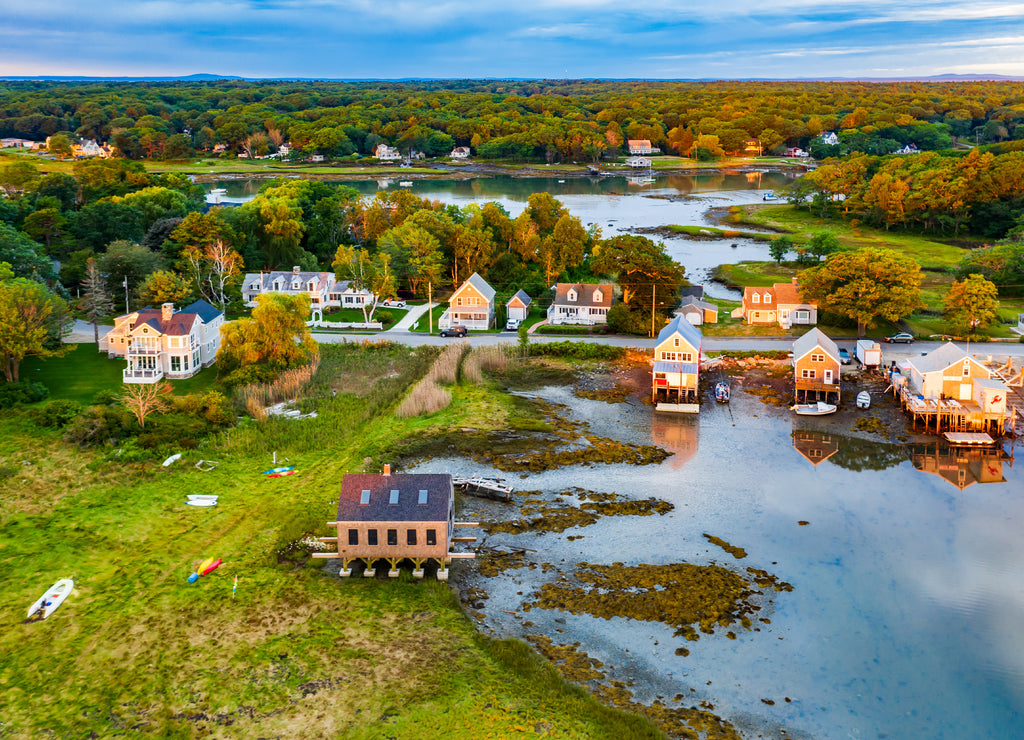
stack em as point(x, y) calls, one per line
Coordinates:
point(164, 343)
point(471, 306)
point(580, 303)
point(321, 287)
point(675, 378)
point(777, 304)
point(460, 152)
point(829, 138)
point(816, 366)
point(391, 518)
point(386, 153)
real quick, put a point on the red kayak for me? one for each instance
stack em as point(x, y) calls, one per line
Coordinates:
point(282, 474)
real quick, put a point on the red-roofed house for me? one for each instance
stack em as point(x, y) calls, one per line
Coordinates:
point(580, 303)
point(640, 146)
point(166, 343)
point(779, 304)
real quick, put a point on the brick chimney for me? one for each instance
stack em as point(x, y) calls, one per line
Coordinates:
point(166, 311)
point(387, 469)
point(295, 270)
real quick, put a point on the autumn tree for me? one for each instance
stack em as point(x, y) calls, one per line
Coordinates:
point(165, 286)
point(96, 300)
point(142, 399)
point(415, 254)
point(864, 284)
point(366, 272)
point(971, 304)
point(32, 320)
point(274, 339)
point(213, 269)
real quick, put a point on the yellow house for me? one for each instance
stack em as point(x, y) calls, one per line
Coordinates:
point(471, 306)
point(676, 373)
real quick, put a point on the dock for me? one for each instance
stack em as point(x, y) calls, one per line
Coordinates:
point(483, 487)
point(679, 408)
point(949, 415)
point(968, 438)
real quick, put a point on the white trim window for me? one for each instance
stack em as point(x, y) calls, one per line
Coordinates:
point(808, 374)
point(755, 297)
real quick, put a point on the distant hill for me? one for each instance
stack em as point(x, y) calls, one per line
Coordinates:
point(201, 77)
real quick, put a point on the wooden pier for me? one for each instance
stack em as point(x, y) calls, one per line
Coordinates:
point(1013, 377)
point(483, 487)
point(950, 415)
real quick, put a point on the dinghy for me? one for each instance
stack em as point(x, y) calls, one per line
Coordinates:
point(863, 400)
point(47, 603)
point(722, 392)
point(814, 409)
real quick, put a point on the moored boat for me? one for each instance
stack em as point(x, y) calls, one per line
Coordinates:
point(863, 400)
point(814, 409)
point(722, 392)
point(47, 603)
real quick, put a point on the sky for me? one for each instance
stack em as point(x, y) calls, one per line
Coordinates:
point(388, 39)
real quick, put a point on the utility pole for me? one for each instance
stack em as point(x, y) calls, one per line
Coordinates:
point(654, 290)
point(126, 294)
point(430, 310)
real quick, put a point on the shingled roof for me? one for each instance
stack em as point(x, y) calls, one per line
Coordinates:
point(406, 506)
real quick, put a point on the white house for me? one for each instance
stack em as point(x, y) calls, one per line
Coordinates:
point(640, 146)
point(471, 306)
point(460, 152)
point(908, 149)
point(580, 303)
point(166, 343)
point(829, 138)
point(637, 162)
point(385, 153)
point(321, 287)
point(518, 306)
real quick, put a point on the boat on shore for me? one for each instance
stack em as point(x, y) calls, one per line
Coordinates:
point(863, 400)
point(722, 392)
point(814, 409)
point(47, 604)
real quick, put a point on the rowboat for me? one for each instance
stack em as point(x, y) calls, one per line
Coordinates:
point(278, 470)
point(722, 392)
point(814, 409)
point(47, 603)
point(863, 400)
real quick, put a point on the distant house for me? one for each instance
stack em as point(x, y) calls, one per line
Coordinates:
point(795, 151)
point(321, 287)
point(816, 368)
point(816, 447)
point(580, 303)
point(638, 162)
point(164, 343)
point(640, 146)
point(89, 148)
point(829, 138)
point(779, 304)
point(675, 377)
point(385, 153)
point(471, 306)
point(908, 149)
point(460, 152)
point(697, 311)
point(394, 518)
point(313, 158)
point(1020, 323)
point(518, 306)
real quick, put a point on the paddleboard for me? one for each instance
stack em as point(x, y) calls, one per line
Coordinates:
point(282, 474)
point(201, 497)
point(204, 565)
point(53, 598)
point(210, 568)
point(278, 470)
point(172, 459)
point(201, 503)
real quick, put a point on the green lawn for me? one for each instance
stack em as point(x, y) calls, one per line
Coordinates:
point(295, 652)
point(83, 372)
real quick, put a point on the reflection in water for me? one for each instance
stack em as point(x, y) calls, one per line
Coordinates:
point(815, 446)
point(677, 433)
point(961, 466)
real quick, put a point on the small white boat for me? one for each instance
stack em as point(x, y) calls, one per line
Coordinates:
point(722, 392)
point(814, 409)
point(205, 502)
point(405, 183)
point(863, 400)
point(47, 603)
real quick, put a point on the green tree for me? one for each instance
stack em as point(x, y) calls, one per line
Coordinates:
point(971, 304)
point(22, 254)
point(563, 247)
point(415, 254)
point(864, 284)
point(821, 244)
point(641, 267)
point(46, 225)
point(273, 340)
point(366, 273)
point(32, 320)
point(18, 176)
point(165, 286)
point(779, 247)
point(126, 261)
point(59, 145)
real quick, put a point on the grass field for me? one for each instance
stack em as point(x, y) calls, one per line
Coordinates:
point(136, 650)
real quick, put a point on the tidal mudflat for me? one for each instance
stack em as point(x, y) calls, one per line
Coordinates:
point(823, 578)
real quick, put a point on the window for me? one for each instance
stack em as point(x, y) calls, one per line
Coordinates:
point(755, 297)
point(967, 368)
point(817, 357)
point(371, 537)
point(431, 536)
point(808, 374)
point(458, 301)
point(410, 536)
point(185, 358)
point(598, 297)
point(393, 500)
point(392, 536)
point(175, 364)
point(364, 497)
point(675, 342)
point(686, 357)
point(571, 296)
point(353, 537)
point(668, 356)
point(423, 497)
point(767, 297)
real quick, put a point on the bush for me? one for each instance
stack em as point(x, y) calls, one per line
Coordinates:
point(15, 394)
point(623, 321)
point(56, 414)
point(99, 425)
point(104, 398)
point(568, 330)
point(577, 351)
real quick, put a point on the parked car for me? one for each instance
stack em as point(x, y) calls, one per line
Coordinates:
point(513, 324)
point(393, 303)
point(844, 356)
point(454, 331)
point(902, 336)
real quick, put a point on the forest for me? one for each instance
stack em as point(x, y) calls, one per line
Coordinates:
point(512, 120)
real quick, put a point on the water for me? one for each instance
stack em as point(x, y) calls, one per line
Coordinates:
point(611, 202)
point(907, 615)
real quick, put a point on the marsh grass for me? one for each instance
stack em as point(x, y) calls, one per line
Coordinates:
point(286, 387)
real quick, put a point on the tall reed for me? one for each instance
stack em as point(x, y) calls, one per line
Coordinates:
point(286, 387)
